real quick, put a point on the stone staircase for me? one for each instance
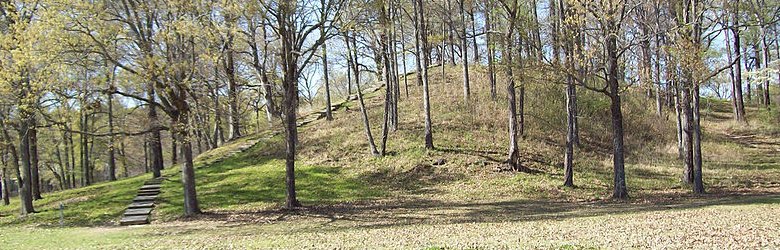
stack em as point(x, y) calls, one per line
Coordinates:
point(140, 210)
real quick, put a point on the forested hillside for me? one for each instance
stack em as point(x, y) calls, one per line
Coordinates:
point(390, 115)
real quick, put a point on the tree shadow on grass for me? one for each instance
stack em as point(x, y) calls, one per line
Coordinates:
point(256, 179)
point(380, 214)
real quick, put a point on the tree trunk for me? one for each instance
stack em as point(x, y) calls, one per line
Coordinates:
point(423, 37)
point(72, 152)
point(181, 130)
point(698, 184)
point(514, 151)
point(474, 34)
point(352, 61)
point(732, 76)
point(570, 121)
point(34, 164)
point(174, 149)
point(111, 152)
point(290, 102)
point(464, 52)
point(123, 153)
point(328, 111)
point(387, 69)
point(618, 158)
point(490, 48)
point(687, 129)
point(155, 141)
point(403, 58)
point(418, 50)
point(6, 188)
point(66, 160)
point(234, 117)
point(767, 60)
point(84, 150)
point(219, 136)
point(25, 180)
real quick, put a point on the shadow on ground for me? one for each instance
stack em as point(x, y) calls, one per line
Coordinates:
point(404, 212)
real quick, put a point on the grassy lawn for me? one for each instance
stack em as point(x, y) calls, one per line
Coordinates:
point(355, 200)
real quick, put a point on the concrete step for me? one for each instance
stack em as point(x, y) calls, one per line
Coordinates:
point(138, 212)
point(141, 204)
point(145, 198)
point(134, 220)
point(153, 186)
point(148, 193)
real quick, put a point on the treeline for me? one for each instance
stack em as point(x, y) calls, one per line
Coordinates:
point(105, 83)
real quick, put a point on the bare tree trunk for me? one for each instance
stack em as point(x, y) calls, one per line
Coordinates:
point(393, 63)
point(123, 153)
point(85, 169)
point(423, 37)
point(174, 149)
point(514, 151)
point(490, 48)
point(418, 49)
point(732, 77)
point(698, 184)
point(569, 48)
point(219, 136)
point(403, 58)
point(155, 139)
point(34, 163)
point(767, 60)
point(618, 158)
point(6, 188)
point(66, 160)
point(352, 61)
point(111, 151)
point(464, 52)
point(72, 153)
point(147, 160)
point(385, 63)
point(25, 180)
point(474, 33)
point(289, 65)
point(234, 117)
point(181, 130)
point(328, 111)
point(687, 128)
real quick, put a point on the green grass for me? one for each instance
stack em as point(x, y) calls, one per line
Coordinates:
point(100, 204)
point(255, 179)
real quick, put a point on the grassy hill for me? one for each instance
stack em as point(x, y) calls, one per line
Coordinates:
point(402, 200)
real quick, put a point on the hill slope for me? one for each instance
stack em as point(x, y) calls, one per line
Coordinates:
point(401, 200)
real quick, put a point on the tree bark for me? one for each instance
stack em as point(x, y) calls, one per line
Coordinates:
point(25, 180)
point(423, 37)
point(464, 52)
point(34, 163)
point(111, 151)
point(86, 179)
point(688, 133)
point(328, 111)
point(618, 157)
point(352, 61)
point(155, 141)
point(490, 49)
point(234, 117)
point(191, 205)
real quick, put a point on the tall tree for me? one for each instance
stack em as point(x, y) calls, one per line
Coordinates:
point(293, 29)
point(422, 37)
point(464, 50)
